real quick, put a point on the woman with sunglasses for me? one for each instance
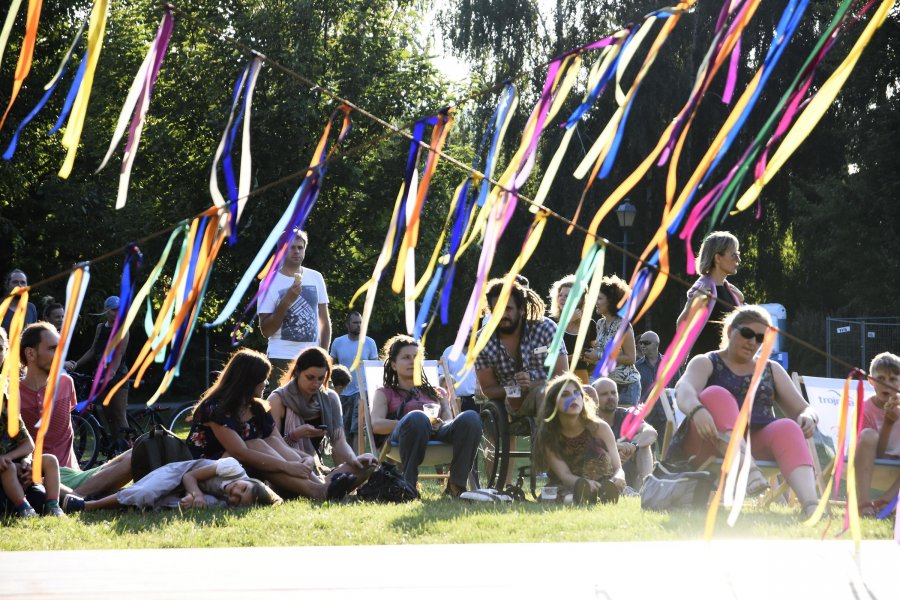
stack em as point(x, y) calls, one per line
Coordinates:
point(712, 391)
point(719, 257)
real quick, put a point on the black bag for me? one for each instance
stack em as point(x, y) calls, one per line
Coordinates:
point(156, 448)
point(386, 484)
point(669, 488)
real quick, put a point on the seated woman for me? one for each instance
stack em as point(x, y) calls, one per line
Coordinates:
point(231, 420)
point(306, 411)
point(204, 483)
point(397, 410)
point(712, 391)
point(559, 294)
point(575, 446)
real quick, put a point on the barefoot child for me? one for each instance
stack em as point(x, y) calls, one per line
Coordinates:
point(197, 483)
point(880, 437)
point(578, 448)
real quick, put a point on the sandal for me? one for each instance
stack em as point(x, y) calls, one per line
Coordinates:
point(757, 484)
point(609, 492)
point(340, 486)
point(583, 493)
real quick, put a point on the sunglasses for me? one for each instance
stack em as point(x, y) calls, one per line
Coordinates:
point(749, 334)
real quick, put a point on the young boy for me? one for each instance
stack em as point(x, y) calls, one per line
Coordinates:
point(340, 378)
point(18, 448)
point(880, 437)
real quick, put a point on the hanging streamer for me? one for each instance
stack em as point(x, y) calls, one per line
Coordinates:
point(26, 54)
point(237, 190)
point(49, 88)
point(282, 234)
point(9, 375)
point(113, 349)
point(72, 135)
point(137, 104)
point(75, 291)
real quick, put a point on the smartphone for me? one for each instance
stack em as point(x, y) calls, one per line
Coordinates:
point(322, 427)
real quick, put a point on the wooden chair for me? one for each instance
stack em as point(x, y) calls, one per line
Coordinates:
point(371, 377)
point(824, 395)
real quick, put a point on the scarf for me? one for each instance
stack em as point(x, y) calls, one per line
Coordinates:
point(299, 411)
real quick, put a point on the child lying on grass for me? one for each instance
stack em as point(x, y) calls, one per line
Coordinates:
point(197, 483)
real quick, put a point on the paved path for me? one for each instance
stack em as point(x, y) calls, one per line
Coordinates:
point(722, 569)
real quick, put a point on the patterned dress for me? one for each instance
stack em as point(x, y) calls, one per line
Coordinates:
point(586, 457)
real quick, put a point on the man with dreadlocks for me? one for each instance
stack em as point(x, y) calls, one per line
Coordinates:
point(511, 366)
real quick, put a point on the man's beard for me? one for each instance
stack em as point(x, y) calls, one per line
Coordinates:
point(511, 328)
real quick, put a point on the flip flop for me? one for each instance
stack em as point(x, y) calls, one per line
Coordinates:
point(485, 495)
point(340, 486)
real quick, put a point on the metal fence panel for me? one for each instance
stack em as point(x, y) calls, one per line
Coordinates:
point(856, 340)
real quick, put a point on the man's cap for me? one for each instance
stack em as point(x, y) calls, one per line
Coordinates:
point(111, 303)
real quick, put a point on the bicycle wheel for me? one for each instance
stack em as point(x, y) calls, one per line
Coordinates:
point(86, 442)
point(181, 422)
point(489, 463)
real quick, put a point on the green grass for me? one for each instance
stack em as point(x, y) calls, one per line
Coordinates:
point(432, 521)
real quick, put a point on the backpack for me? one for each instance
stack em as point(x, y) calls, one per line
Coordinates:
point(156, 448)
point(386, 484)
point(667, 488)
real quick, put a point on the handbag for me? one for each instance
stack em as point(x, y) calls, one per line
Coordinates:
point(386, 484)
point(668, 488)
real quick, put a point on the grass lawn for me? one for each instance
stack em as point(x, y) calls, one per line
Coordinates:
point(433, 520)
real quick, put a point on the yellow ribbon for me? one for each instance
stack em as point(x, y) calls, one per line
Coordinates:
point(79, 110)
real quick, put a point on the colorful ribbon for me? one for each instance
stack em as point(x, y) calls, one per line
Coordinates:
point(137, 104)
point(72, 135)
point(49, 88)
point(75, 291)
point(26, 54)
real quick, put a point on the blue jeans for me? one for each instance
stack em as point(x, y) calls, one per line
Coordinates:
point(629, 394)
point(413, 433)
point(350, 410)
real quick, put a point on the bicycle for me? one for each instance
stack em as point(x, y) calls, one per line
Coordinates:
point(180, 424)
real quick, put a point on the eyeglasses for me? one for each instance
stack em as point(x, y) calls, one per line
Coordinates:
point(749, 334)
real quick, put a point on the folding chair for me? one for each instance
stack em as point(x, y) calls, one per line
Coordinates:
point(824, 395)
point(370, 375)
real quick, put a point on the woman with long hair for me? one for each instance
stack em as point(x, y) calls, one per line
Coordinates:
point(625, 374)
point(577, 448)
point(719, 257)
point(232, 420)
point(559, 294)
point(398, 410)
point(712, 391)
point(306, 411)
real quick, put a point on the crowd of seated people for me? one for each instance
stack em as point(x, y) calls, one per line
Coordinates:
point(251, 449)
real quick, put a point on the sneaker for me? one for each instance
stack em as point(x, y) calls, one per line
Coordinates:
point(54, 511)
point(28, 513)
point(629, 491)
point(73, 503)
point(453, 491)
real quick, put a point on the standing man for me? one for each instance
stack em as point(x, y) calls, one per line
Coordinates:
point(511, 365)
point(38, 345)
point(343, 351)
point(647, 365)
point(16, 278)
point(294, 312)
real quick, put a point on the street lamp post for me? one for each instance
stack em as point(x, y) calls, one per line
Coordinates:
point(625, 214)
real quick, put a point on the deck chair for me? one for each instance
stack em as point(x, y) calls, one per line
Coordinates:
point(370, 375)
point(824, 395)
point(769, 468)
